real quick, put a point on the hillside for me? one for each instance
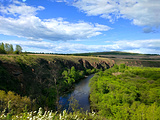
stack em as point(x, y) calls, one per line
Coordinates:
point(22, 70)
point(39, 77)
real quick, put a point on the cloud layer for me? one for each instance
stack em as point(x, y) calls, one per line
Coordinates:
point(141, 12)
point(140, 46)
point(20, 20)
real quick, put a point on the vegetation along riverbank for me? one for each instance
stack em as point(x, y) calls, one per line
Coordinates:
point(126, 93)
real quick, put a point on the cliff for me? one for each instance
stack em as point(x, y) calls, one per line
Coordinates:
point(34, 75)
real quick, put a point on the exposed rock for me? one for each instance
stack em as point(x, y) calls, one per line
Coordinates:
point(87, 64)
point(81, 62)
point(99, 66)
point(107, 66)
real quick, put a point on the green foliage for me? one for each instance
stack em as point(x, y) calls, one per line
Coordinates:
point(126, 93)
point(49, 115)
point(8, 48)
point(91, 71)
point(18, 49)
point(73, 104)
point(88, 71)
point(68, 78)
point(72, 75)
point(11, 48)
point(13, 102)
point(2, 48)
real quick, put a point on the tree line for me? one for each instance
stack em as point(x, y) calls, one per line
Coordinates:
point(6, 48)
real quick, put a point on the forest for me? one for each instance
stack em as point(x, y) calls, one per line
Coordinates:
point(126, 93)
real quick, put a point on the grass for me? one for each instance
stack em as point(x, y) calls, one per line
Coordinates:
point(31, 59)
point(49, 115)
point(129, 59)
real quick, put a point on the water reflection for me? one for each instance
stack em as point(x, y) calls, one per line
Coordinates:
point(80, 93)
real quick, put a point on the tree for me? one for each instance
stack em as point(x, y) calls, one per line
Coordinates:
point(8, 48)
point(73, 73)
point(11, 48)
point(18, 49)
point(2, 50)
point(2, 46)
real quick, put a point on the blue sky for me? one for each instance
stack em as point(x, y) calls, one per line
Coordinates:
point(77, 26)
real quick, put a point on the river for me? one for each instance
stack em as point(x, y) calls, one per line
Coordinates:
point(80, 93)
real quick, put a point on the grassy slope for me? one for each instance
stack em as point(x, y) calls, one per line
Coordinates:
point(31, 58)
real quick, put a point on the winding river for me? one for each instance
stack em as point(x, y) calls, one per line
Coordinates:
point(80, 93)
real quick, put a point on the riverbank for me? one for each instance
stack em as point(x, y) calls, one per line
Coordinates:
point(80, 94)
point(39, 77)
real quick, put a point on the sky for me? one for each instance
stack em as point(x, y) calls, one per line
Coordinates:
point(80, 26)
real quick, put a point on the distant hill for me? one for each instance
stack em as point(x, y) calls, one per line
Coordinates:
point(130, 59)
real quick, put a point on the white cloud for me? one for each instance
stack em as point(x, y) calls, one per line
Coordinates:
point(141, 12)
point(23, 22)
point(136, 44)
point(151, 46)
point(19, 9)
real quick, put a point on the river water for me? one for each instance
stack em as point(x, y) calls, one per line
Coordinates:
point(80, 93)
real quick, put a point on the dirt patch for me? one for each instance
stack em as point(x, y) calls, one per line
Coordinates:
point(117, 73)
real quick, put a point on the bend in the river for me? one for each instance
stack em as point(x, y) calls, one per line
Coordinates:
point(80, 93)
